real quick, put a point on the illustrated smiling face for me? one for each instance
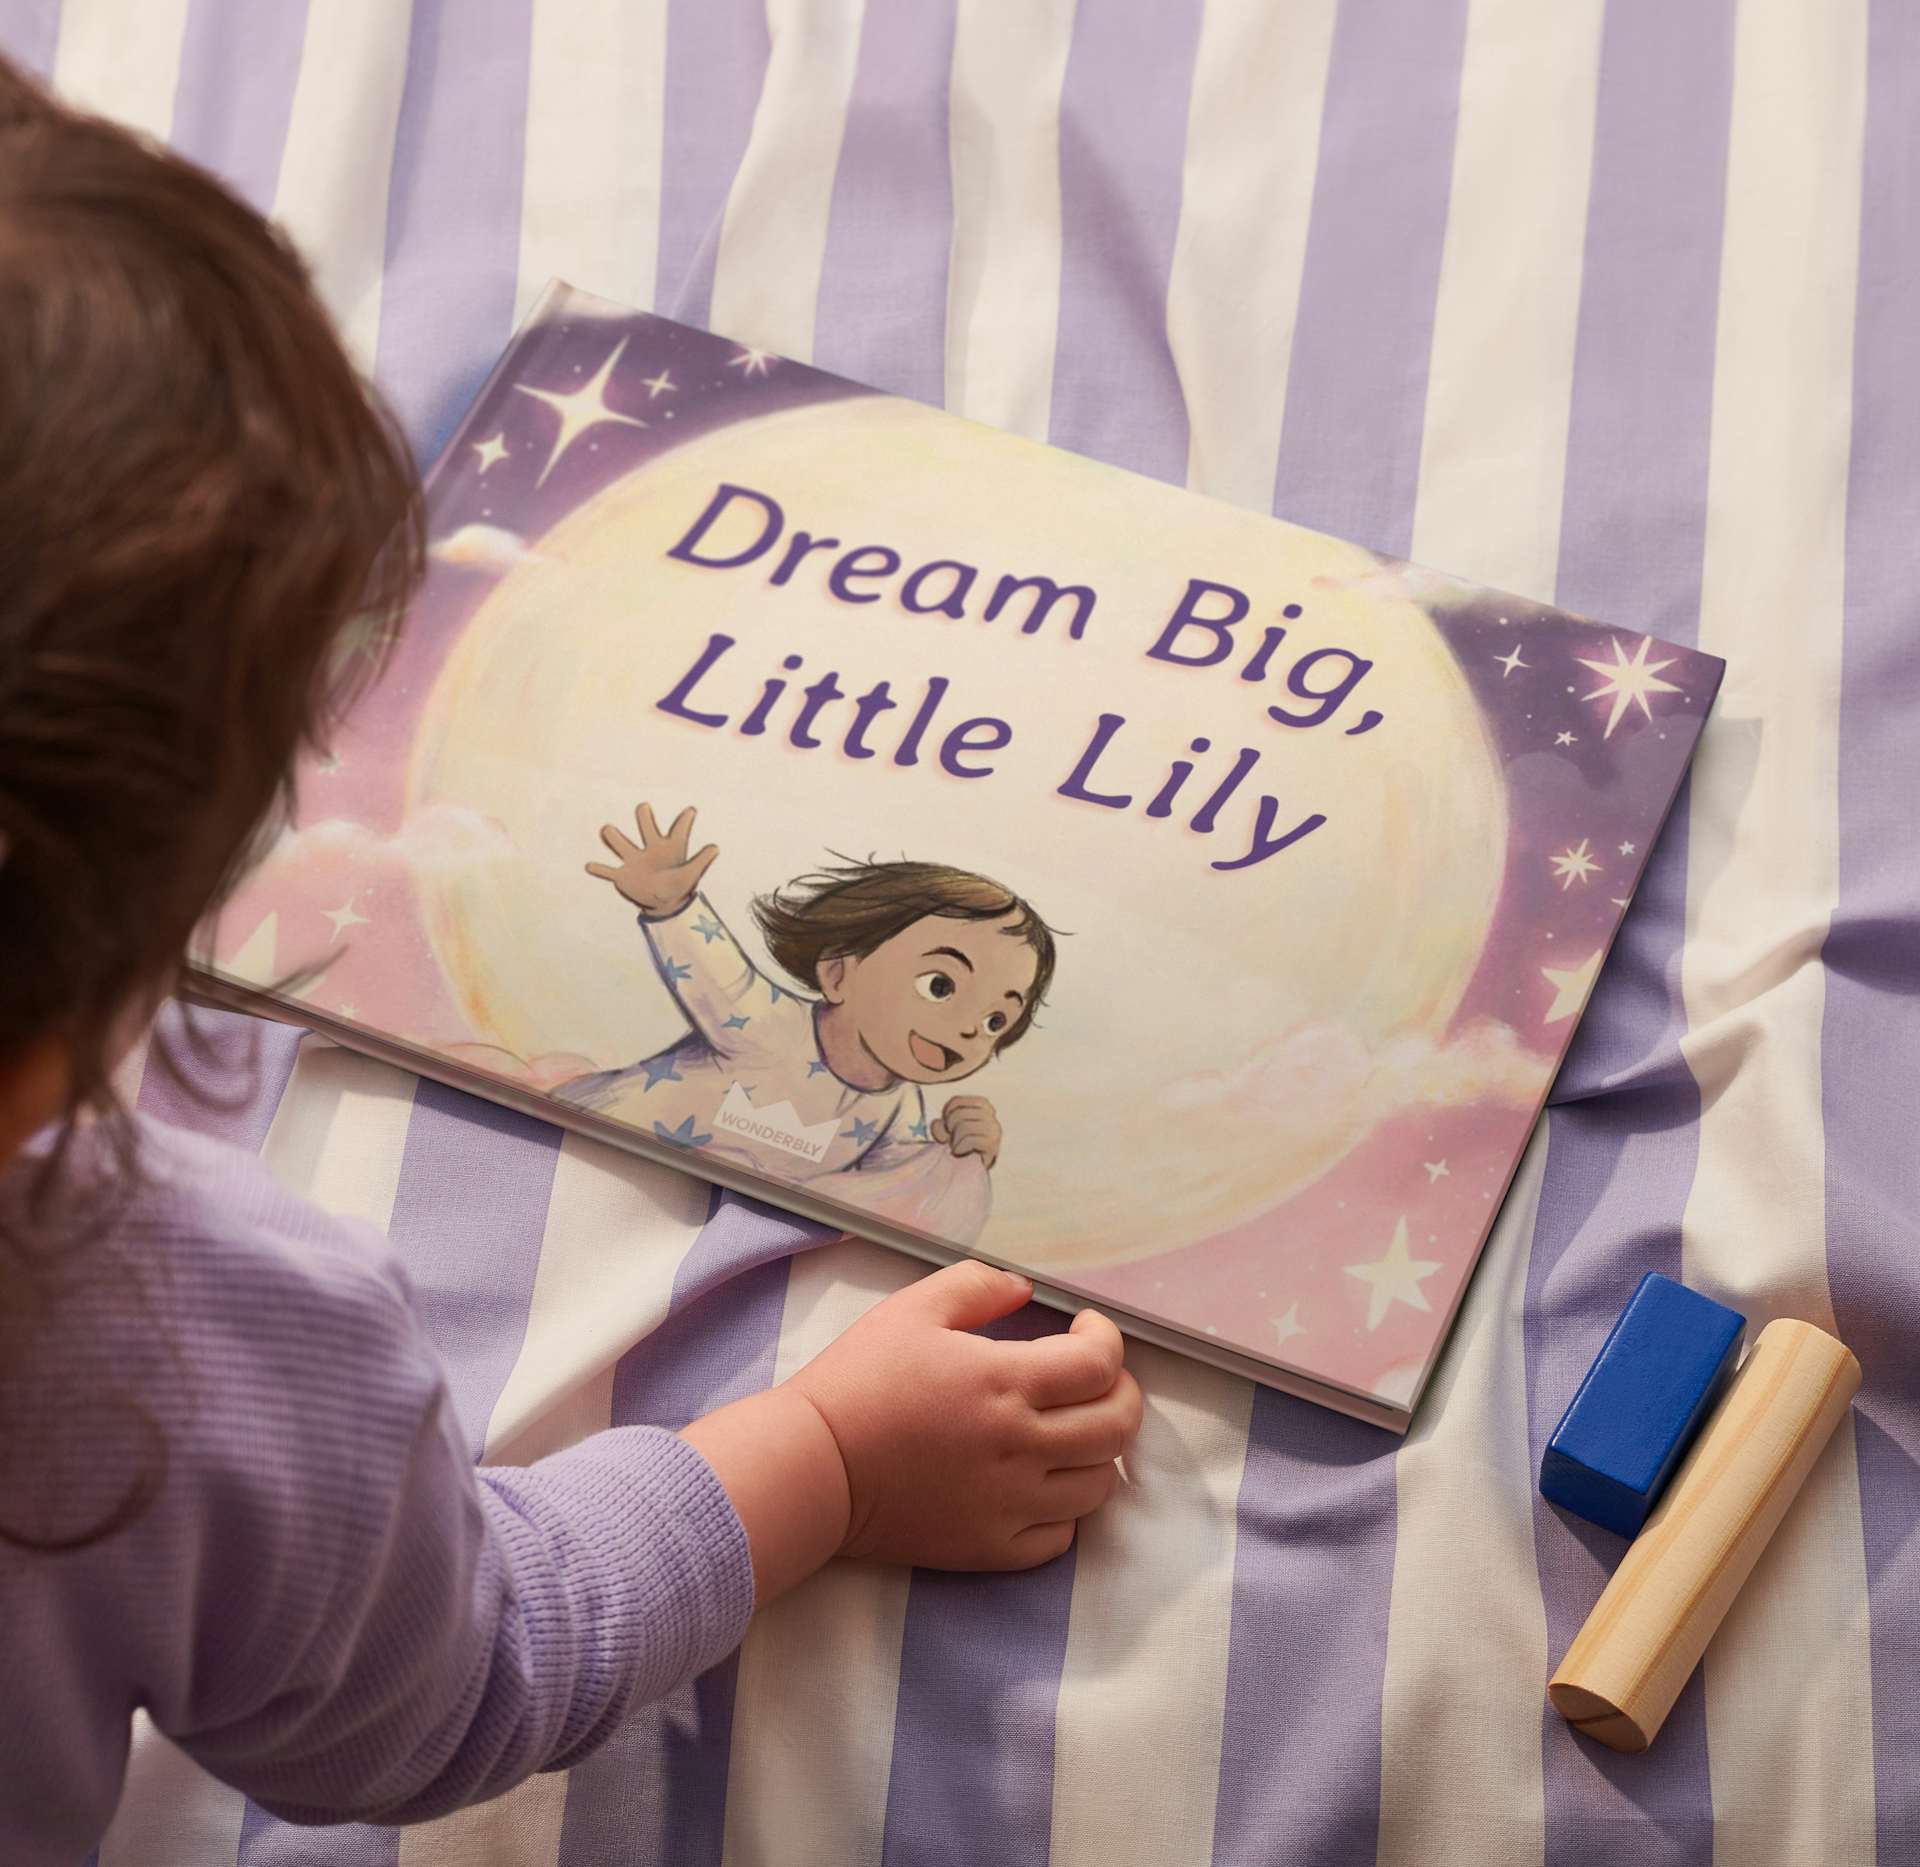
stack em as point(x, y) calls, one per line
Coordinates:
point(933, 1003)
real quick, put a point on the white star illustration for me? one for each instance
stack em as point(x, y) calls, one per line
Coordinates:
point(1622, 901)
point(491, 451)
point(1394, 1278)
point(364, 635)
point(1628, 682)
point(349, 1011)
point(1510, 661)
point(580, 409)
point(1563, 739)
point(657, 386)
point(329, 765)
point(1288, 1326)
point(1436, 1170)
point(1571, 985)
point(1626, 849)
point(754, 362)
point(1574, 865)
point(344, 917)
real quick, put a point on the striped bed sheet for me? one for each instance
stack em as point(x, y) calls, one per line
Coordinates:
point(1609, 304)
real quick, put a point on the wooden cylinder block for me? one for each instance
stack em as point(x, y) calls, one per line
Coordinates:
point(1680, 1575)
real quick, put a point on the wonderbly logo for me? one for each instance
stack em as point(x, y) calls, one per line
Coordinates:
point(778, 1125)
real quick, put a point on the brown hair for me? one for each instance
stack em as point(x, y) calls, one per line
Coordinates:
point(850, 908)
point(200, 492)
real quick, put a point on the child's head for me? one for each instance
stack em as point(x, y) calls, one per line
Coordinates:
point(940, 969)
point(198, 494)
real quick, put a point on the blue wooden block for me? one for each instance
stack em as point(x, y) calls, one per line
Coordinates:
point(1649, 1391)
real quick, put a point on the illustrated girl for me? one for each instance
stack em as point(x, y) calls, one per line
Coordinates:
point(924, 973)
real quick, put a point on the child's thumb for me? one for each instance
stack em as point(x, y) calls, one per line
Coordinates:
point(963, 1296)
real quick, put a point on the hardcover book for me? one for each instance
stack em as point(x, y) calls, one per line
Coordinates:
point(978, 848)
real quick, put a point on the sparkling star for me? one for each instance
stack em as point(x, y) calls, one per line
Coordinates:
point(491, 451)
point(1511, 660)
point(864, 1131)
point(349, 1011)
point(709, 931)
point(365, 636)
point(657, 386)
point(754, 362)
point(329, 765)
point(343, 918)
point(1626, 849)
point(737, 1023)
point(660, 1070)
point(673, 972)
point(1288, 1326)
point(580, 409)
point(1563, 739)
point(1574, 865)
point(1627, 683)
point(1571, 985)
point(1436, 1170)
point(683, 1135)
point(1394, 1278)
point(816, 1068)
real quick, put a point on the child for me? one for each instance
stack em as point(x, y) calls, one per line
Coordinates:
point(925, 974)
point(232, 1489)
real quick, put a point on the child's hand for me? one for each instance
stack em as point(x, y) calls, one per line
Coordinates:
point(968, 1125)
point(658, 876)
point(965, 1453)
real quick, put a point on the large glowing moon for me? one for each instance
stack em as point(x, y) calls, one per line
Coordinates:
point(1214, 1040)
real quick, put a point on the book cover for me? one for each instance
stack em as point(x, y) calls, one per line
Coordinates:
point(985, 849)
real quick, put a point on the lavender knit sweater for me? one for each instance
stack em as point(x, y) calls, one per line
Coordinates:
point(325, 1603)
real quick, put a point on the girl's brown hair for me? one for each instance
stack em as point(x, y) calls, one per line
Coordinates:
point(199, 493)
point(850, 908)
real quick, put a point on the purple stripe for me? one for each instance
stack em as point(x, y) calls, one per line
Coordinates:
point(469, 1215)
point(1313, 1563)
point(973, 1728)
point(657, 1790)
point(1624, 1140)
point(1872, 1032)
point(1313, 1569)
point(716, 62)
point(29, 32)
point(1123, 145)
point(453, 210)
point(239, 63)
point(882, 311)
point(217, 1073)
point(1357, 381)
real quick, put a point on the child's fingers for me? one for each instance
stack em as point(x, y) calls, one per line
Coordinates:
point(938, 1130)
point(1062, 1370)
point(649, 830)
point(603, 872)
point(967, 1294)
point(687, 874)
point(1040, 1543)
point(1080, 1492)
point(620, 845)
point(682, 830)
point(1093, 1431)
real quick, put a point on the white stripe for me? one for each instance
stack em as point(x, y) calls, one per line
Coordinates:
point(617, 1230)
point(1470, 1633)
point(1500, 380)
point(340, 1132)
point(519, 1829)
point(122, 62)
point(1253, 146)
point(820, 1671)
point(590, 200)
point(773, 237)
point(1003, 277)
point(1466, 1629)
point(334, 175)
point(171, 1813)
point(1790, 1672)
point(1136, 1759)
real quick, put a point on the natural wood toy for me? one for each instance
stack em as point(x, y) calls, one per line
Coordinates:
point(1680, 1575)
